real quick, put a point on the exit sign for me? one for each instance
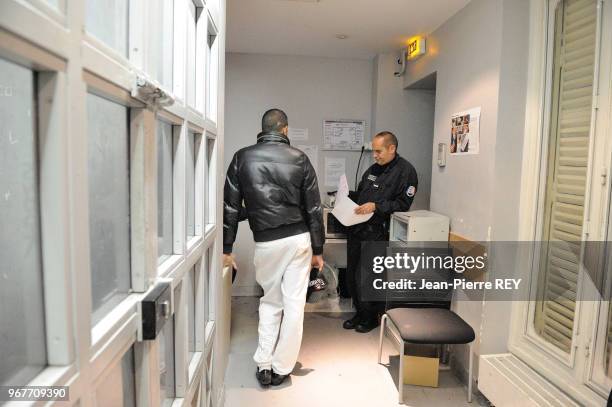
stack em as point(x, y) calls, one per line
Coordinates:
point(416, 47)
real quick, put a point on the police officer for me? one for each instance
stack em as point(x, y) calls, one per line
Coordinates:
point(387, 186)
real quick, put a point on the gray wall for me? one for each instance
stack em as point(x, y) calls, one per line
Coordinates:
point(310, 90)
point(409, 114)
point(480, 59)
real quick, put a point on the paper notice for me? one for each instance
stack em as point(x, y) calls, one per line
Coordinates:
point(297, 134)
point(334, 168)
point(312, 152)
point(344, 211)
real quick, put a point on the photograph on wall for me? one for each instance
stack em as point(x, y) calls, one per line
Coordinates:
point(465, 132)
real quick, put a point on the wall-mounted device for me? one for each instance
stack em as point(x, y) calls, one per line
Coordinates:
point(155, 310)
point(441, 155)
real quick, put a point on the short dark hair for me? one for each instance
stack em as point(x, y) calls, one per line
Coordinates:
point(389, 137)
point(274, 120)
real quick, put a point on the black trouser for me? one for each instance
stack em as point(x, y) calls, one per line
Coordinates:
point(367, 310)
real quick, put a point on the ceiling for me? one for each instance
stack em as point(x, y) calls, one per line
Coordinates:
point(309, 27)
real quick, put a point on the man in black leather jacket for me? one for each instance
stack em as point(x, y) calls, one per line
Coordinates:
point(281, 196)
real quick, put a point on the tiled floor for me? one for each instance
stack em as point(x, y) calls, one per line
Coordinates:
point(336, 367)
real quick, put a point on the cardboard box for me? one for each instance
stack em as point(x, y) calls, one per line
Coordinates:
point(421, 365)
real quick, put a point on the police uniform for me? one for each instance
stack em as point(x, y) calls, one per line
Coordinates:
point(391, 187)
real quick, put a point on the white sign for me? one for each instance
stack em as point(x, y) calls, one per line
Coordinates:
point(297, 134)
point(465, 132)
point(312, 152)
point(334, 169)
point(343, 134)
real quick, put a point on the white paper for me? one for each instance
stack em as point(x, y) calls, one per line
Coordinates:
point(296, 134)
point(465, 132)
point(334, 169)
point(343, 134)
point(312, 152)
point(343, 188)
point(344, 211)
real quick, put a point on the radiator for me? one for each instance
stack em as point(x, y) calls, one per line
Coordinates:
point(507, 381)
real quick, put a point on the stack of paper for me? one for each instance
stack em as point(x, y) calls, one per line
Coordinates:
point(344, 209)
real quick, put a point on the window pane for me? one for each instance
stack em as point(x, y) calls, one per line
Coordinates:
point(118, 388)
point(22, 327)
point(107, 20)
point(161, 39)
point(212, 73)
point(191, 305)
point(211, 181)
point(205, 275)
point(193, 146)
point(166, 363)
point(109, 203)
point(191, 54)
point(165, 161)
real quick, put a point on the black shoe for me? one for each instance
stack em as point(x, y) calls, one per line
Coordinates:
point(278, 379)
point(352, 323)
point(264, 377)
point(366, 326)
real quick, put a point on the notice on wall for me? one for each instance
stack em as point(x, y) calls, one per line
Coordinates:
point(334, 169)
point(343, 134)
point(465, 132)
point(296, 134)
point(312, 152)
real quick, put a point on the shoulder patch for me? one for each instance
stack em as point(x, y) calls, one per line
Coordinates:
point(410, 191)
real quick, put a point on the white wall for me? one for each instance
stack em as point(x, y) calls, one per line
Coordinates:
point(309, 90)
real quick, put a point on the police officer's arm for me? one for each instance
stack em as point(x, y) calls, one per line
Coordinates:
point(232, 205)
point(403, 195)
point(312, 207)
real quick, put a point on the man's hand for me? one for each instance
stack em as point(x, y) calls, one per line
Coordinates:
point(228, 261)
point(366, 208)
point(317, 261)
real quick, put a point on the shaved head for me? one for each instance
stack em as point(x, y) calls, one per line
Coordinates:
point(274, 120)
point(388, 137)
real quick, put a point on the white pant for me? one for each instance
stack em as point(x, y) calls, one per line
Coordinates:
point(282, 269)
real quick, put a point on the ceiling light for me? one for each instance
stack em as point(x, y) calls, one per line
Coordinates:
point(341, 36)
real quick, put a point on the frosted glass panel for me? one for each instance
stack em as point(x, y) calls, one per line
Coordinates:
point(193, 146)
point(164, 189)
point(161, 36)
point(166, 364)
point(209, 197)
point(109, 203)
point(118, 388)
point(213, 75)
point(22, 323)
point(191, 54)
point(107, 20)
point(191, 307)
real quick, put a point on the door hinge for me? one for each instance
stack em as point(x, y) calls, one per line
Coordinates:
point(596, 102)
point(604, 176)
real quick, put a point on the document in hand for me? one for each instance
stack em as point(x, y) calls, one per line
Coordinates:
point(344, 211)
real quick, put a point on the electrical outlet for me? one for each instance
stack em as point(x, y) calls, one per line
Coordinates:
point(368, 146)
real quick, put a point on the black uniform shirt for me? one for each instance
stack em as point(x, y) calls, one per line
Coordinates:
point(391, 187)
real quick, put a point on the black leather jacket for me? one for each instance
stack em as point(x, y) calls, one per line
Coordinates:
point(279, 187)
